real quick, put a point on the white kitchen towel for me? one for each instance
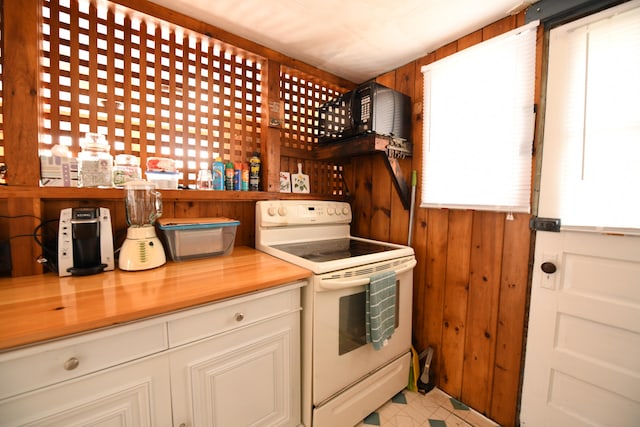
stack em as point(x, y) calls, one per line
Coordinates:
point(380, 311)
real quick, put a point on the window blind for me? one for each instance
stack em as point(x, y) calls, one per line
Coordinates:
point(590, 173)
point(478, 125)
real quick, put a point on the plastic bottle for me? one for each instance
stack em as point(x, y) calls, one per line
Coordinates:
point(237, 177)
point(228, 176)
point(218, 174)
point(254, 172)
point(204, 180)
point(245, 177)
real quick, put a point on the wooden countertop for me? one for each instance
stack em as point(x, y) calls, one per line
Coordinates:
point(45, 306)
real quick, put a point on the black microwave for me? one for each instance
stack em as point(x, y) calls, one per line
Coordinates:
point(369, 108)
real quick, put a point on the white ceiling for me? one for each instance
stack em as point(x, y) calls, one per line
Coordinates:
point(353, 39)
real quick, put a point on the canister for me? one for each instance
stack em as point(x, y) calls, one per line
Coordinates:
point(127, 168)
point(95, 163)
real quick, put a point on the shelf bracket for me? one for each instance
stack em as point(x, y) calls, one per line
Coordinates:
point(398, 181)
point(372, 144)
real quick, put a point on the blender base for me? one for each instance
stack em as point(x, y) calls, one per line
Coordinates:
point(142, 250)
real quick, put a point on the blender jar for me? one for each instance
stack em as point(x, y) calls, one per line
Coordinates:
point(142, 202)
point(142, 249)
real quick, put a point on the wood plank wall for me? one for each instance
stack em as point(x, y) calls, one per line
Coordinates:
point(471, 281)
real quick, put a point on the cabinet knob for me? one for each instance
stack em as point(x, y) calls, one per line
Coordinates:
point(71, 364)
point(239, 317)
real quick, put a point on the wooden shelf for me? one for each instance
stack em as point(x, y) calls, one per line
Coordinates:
point(368, 145)
point(24, 209)
point(71, 193)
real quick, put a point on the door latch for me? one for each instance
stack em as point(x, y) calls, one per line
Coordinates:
point(545, 224)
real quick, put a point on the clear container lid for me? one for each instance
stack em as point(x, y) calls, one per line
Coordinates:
point(196, 223)
point(127, 160)
point(94, 142)
point(92, 146)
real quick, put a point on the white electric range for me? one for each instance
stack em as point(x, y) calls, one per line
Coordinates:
point(344, 377)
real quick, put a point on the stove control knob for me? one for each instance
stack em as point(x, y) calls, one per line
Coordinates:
point(345, 211)
point(271, 211)
point(330, 211)
point(282, 211)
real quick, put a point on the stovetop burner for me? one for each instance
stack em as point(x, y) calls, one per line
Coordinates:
point(315, 234)
point(331, 250)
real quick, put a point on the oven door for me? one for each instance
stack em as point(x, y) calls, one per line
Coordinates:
point(341, 356)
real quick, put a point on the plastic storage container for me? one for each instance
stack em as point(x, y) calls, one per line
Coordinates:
point(160, 164)
point(188, 238)
point(164, 180)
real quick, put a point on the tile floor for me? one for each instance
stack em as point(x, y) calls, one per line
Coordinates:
point(434, 409)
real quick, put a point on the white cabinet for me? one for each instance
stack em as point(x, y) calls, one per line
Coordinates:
point(134, 394)
point(249, 377)
point(41, 365)
point(246, 373)
point(231, 363)
point(101, 379)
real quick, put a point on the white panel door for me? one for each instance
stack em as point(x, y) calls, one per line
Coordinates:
point(582, 359)
point(583, 348)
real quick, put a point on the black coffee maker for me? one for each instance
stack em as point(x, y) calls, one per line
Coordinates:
point(85, 241)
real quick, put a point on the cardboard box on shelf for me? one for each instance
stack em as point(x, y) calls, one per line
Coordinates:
point(57, 171)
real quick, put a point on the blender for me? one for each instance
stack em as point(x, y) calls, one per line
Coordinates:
point(141, 249)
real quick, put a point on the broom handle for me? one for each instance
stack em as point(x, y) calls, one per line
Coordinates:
point(414, 179)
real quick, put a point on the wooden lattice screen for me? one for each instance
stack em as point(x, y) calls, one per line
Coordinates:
point(152, 88)
point(302, 95)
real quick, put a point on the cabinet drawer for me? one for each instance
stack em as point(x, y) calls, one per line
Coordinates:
point(33, 367)
point(235, 313)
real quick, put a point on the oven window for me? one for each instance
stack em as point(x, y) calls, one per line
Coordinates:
point(352, 333)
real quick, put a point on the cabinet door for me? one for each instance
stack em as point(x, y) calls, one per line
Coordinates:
point(247, 377)
point(135, 394)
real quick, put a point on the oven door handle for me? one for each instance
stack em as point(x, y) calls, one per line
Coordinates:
point(337, 284)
